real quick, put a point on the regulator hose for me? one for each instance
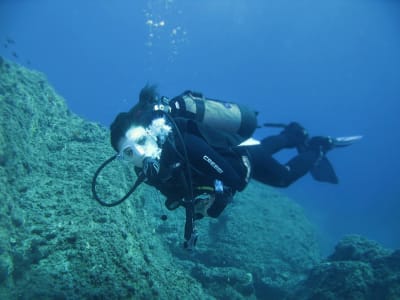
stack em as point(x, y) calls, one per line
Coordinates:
point(138, 181)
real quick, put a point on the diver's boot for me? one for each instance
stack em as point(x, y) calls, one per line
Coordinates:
point(295, 135)
point(291, 136)
point(321, 144)
point(321, 169)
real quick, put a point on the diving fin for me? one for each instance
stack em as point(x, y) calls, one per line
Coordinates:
point(346, 140)
point(323, 171)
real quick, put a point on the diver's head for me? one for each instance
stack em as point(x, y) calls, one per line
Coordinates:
point(137, 140)
point(138, 144)
point(140, 133)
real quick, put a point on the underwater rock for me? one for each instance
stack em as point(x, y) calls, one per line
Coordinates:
point(5, 267)
point(358, 269)
point(61, 235)
point(261, 233)
point(358, 248)
point(54, 244)
point(236, 280)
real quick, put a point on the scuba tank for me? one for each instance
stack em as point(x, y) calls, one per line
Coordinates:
point(220, 115)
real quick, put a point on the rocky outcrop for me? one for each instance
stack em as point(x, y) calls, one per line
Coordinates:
point(358, 269)
point(56, 242)
point(262, 245)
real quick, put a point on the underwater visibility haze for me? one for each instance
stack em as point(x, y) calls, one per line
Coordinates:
point(333, 66)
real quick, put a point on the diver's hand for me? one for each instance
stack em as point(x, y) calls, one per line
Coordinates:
point(151, 167)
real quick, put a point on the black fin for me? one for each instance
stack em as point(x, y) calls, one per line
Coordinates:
point(323, 171)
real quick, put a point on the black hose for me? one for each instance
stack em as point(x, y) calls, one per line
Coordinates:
point(188, 185)
point(139, 180)
point(278, 125)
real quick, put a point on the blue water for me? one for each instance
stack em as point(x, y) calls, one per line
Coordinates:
point(332, 65)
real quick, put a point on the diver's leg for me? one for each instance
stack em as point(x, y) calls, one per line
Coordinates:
point(300, 165)
point(290, 137)
point(274, 143)
point(269, 171)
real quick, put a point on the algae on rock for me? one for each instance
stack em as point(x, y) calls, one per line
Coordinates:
point(56, 241)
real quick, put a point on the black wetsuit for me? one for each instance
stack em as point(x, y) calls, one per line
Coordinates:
point(268, 170)
point(213, 156)
point(210, 156)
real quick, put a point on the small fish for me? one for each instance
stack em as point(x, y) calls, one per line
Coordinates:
point(14, 54)
point(5, 45)
point(10, 40)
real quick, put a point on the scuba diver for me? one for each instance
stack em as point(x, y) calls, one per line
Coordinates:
point(199, 152)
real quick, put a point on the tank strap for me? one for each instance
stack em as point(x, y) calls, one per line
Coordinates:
point(193, 106)
point(201, 108)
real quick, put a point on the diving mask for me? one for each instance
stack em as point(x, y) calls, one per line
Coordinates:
point(140, 142)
